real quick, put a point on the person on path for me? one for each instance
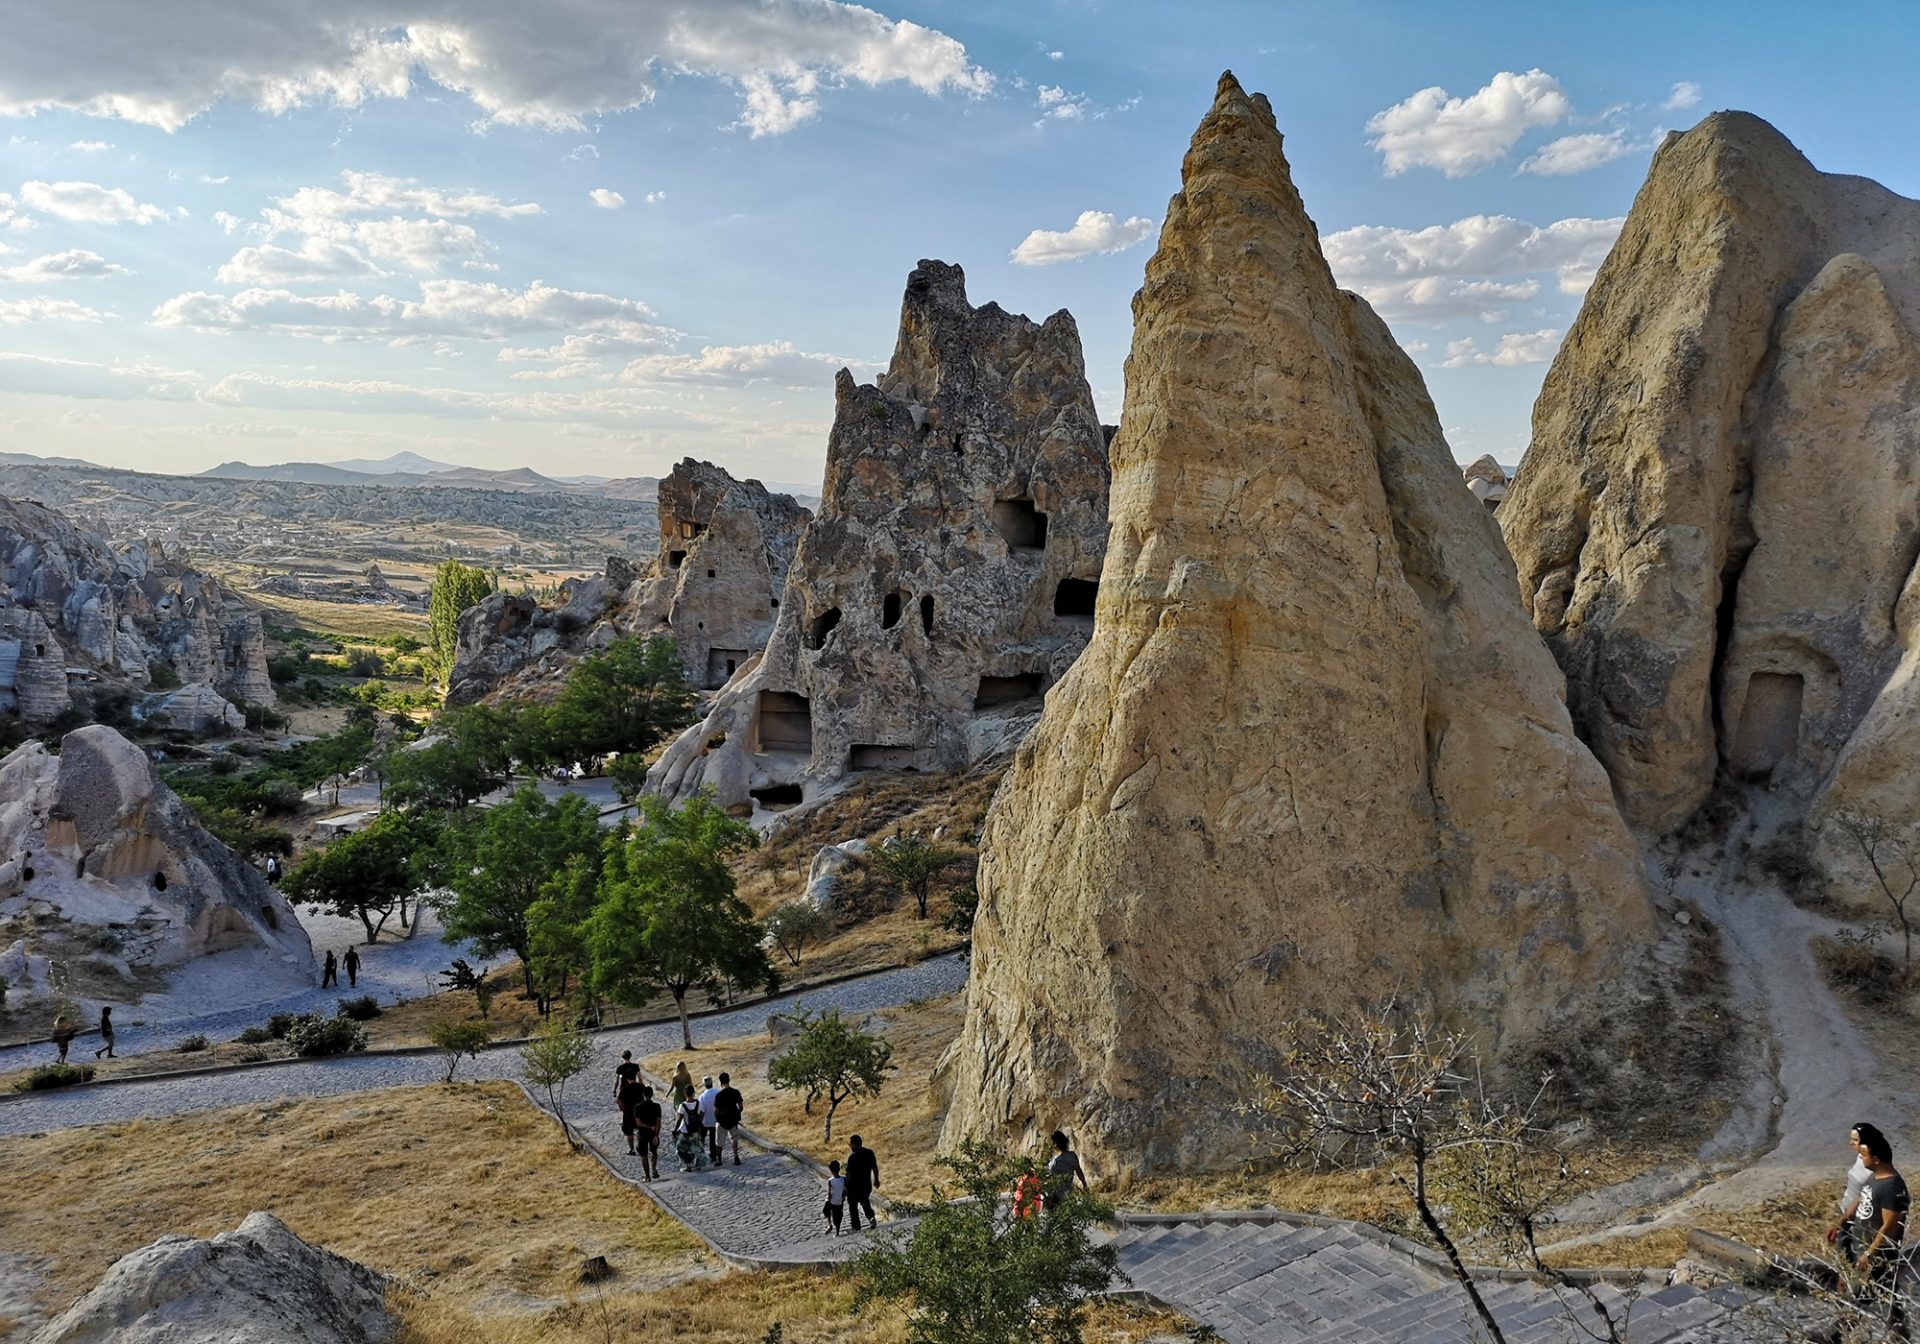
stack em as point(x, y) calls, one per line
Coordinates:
point(646, 1124)
point(682, 1086)
point(728, 1107)
point(1840, 1235)
point(835, 1207)
point(708, 1121)
point(63, 1034)
point(1062, 1168)
point(1880, 1216)
point(330, 971)
point(863, 1178)
point(626, 1092)
point(273, 870)
point(106, 1033)
point(353, 969)
point(689, 1135)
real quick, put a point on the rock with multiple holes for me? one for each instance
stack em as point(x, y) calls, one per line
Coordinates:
point(96, 851)
point(713, 588)
point(1716, 523)
point(259, 1284)
point(1314, 755)
point(949, 576)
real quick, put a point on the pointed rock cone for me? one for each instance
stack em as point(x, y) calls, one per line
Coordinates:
point(1313, 755)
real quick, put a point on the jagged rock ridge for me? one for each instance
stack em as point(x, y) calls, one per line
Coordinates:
point(1313, 754)
point(949, 576)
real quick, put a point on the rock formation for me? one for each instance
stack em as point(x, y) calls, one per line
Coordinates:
point(713, 587)
point(1488, 480)
point(91, 838)
point(1717, 518)
point(33, 666)
point(118, 611)
point(1313, 755)
point(949, 576)
point(259, 1284)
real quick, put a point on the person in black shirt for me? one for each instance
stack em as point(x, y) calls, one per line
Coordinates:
point(646, 1124)
point(728, 1107)
point(1880, 1223)
point(626, 1092)
point(863, 1178)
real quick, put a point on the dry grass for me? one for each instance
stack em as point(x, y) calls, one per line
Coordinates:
point(1792, 1225)
point(465, 1190)
point(351, 620)
point(153, 1061)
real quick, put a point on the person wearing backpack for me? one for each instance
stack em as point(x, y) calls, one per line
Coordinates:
point(728, 1107)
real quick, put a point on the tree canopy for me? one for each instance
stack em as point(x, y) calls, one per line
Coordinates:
point(831, 1060)
point(623, 699)
point(365, 875)
point(455, 588)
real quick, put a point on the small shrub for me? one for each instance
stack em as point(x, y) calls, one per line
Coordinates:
point(1858, 969)
point(363, 1009)
point(49, 1076)
point(1789, 862)
point(161, 676)
point(253, 1054)
point(455, 1038)
point(280, 1024)
point(255, 1036)
point(314, 1037)
point(192, 1045)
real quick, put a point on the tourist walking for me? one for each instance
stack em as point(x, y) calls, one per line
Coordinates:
point(689, 1141)
point(1840, 1235)
point(646, 1125)
point(680, 1086)
point(708, 1094)
point(273, 870)
point(1880, 1223)
point(106, 1033)
point(1062, 1168)
point(835, 1207)
point(353, 969)
point(626, 1092)
point(63, 1033)
point(728, 1107)
point(330, 971)
point(863, 1178)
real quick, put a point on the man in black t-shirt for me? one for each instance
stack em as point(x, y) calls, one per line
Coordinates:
point(863, 1178)
point(646, 1125)
point(1880, 1222)
point(626, 1092)
point(728, 1107)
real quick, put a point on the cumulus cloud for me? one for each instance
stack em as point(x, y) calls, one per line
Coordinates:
point(1577, 153)
point(1682, 96)
point(1460, 136)
point(88, 203)
point(742, 365)
point(1096, 231)
point(75, 264)
point(1469, 267)
point(14, 312)
point(607, 199)
point(519, 65)
point(219, 181)
point(1056, 104)
point(1514, 348)
point(11, 216)
point(314, 259)
point(90, 146)
point(655, 197)
point(768, 112)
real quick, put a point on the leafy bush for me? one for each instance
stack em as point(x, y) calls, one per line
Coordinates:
point(280, 1024)
point(363, 1009)
point(251, 1055)
point(255, 1036)
point(455, 1039)
point(192, 1045)
point(1854, 966)
point(49, 1076)
point(314, 1037)
point(161, 676)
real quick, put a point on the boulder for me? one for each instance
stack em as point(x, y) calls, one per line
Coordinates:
point(824, 873)
point(259, 1284)
point(949, 575)
point(1716, 519)
point(1313, 756)
point(192, 709)
point(1488, 480)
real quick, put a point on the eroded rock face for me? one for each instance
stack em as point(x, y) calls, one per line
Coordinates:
point(949, 577)
point(713, 587)
point(259, 1284)
point(92, 837)
point(1716, 517)
point(1488, 480)
point(1313, 756)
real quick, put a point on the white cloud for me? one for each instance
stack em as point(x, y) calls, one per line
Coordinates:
point(742, 365)
point(655, 197)
point(368, 193)
point(607, 199)
point(1460, 136)
point(13, 312)
point(10, 214)
point(122, 380)
point(228, 223)
point(1096, 231)
point(75, 264)
point(1056, 104)
point(1514, 348)
point(1681, 96)
point(316, 259)
point(88, 203)
point(614, 406)
point(581, 153)
point(767, 112)
point(219, 181)
point(1443, 271)
point(1056, 55)
point(90, 146)
point(1577, 153)
point(518, 64)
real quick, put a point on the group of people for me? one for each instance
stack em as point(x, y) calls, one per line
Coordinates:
point(706, 1118)
point(1873, 1217)
point(64, 1031)
point(330, 969)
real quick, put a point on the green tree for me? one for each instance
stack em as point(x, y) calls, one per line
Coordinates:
point(668, 917)
point(624, 698)
point(329, 760)
point(365, 875)
point(500, 861)
point(551, 1060)
point(977, 1272)
point(557, 928)
point(455, 588)
point(912, 864)
point(629, 775)
point(796, 924)
point(454, 1038)
point(831, 1060)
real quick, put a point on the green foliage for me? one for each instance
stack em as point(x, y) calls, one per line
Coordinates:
point(454, 1039)
point(192, 1045)
point(625, 698)
point(796, 924)
point(831, 1060)
point(668, 917)
point(629, 775)
point(974, 1272)
point(369, 874)
point(280, 1024)
point(964, 903)
point(557, 926)
point(469, 755)
point(49, 1076)
point(461, 975)
point(912, 864)
point(362, 1009)
point(236, 807)
point(314, 1037)
point(255, 1036)
point(554, 1058)
point(455, 588)
point(161, 676)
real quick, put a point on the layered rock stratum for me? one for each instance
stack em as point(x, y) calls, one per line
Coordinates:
point(1716, 523)
point(713, 586)
point(949, 576)
point(1313, 756)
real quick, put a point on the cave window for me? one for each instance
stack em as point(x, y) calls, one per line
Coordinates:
point(1020, 524)
point(776, 604)
point(822, 626)
point(159, 881)
point(26, 874)
point(959, 445)
point(1769, 731)
point(926, 614)
point(690, 529)
point(1076, 597)
point(711, 574)
point(777, 797)
point(1006, 690)
point(40, 650)
point(890, 609)
point(722, 663)
point(675, 559)
point(786, 722)
point(882, 756)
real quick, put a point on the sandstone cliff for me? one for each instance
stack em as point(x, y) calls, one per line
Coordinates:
point(713, 587)
point(1313, 754)
point(1720, 511)
point(949, 576)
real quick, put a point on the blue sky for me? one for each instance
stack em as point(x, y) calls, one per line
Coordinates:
point(278, 230)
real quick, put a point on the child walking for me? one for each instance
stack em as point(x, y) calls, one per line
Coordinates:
point(836, 1204)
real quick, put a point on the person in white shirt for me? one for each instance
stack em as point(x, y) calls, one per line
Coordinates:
point(707, 1094)
point(1841, 1233)
point(836, 1203)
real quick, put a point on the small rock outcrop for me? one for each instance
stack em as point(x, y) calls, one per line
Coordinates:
point(191, 709)
point(1488, 480)
point(33, 666)
point(950, 575)
point(259, 1284)
point(713, 588)
point(1314, 756)
point(1717, 521)
point(91, 839)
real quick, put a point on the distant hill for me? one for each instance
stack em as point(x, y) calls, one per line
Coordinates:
point(400, 463)
point(306, 473)
point(33, 460)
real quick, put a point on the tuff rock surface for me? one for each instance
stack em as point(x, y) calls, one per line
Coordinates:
point(1313, 754)
point(1488, 480)
point(713, 586)
point(949, 575)
point(92, 839)
point(259, 1284)
point(1716, 523)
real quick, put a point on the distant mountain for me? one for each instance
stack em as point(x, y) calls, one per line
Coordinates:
point(306, 473)
point(400, 463)
point(34, 460)
point(519, 478)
